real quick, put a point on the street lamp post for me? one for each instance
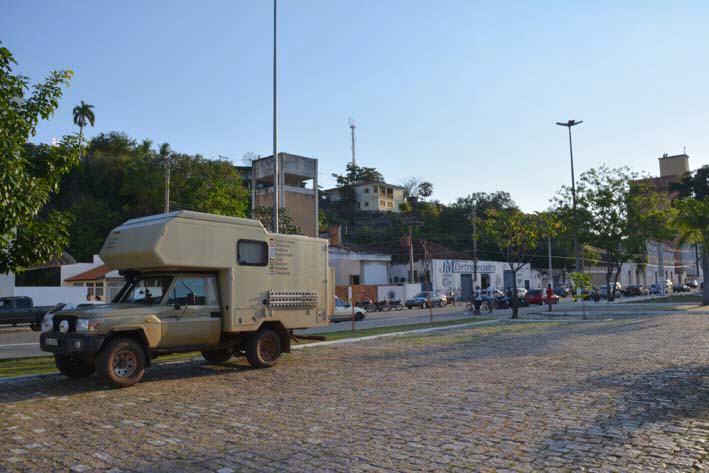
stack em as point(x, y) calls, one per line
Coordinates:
point(276, 167)
point(577, 255)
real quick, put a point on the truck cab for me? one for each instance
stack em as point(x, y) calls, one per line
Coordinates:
point(194, 282)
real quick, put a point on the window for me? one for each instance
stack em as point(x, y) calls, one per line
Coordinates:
point(149, 290)
point(340, 303)
point(366, 204)
point(382, 203)
point(390, 204)
point(366, 190)
point(194, 290)
point(252, 253)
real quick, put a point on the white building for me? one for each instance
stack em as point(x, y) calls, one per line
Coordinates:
point(373, 196)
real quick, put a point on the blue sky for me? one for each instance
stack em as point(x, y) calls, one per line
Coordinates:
point(462, 93)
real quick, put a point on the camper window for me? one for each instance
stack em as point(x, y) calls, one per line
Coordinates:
point(252, 253)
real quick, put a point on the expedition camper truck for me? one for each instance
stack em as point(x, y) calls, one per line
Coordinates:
point(194, 281)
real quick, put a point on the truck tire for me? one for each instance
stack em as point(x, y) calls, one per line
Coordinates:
point(218, 356)
point(74, 366)
point(121, 363)
point(263, 348)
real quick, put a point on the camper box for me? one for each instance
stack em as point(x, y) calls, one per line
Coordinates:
point(262, 276)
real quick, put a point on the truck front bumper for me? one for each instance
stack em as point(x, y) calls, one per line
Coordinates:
point(70, 343)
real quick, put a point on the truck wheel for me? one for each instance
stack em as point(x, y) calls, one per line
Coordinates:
point(218, 356)
point(263, 348)
point(121, 363)
point(74, 366)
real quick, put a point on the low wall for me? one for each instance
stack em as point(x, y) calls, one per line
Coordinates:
point(379, 293)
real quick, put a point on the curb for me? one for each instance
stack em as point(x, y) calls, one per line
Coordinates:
point(392, 334)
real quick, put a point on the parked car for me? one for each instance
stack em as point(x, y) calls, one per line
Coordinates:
point(633, 290)
point(21, 310)
point(521, 292)
point(655, 288)
point(562, 291)
point(538, 296)
point(343, 312)
point(693, 283)
point(421, 299)
point(681, 288)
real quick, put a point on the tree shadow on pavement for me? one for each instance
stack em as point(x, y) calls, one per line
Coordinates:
point(648, 409)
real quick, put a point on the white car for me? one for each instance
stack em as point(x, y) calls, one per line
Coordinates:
point(343, 312)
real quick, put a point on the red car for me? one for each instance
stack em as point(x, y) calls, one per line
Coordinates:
point(537, 296)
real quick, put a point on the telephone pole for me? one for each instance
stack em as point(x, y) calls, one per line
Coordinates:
point(352, 130)
point(276, 167)
point(411, 256)
point(167, 185)
point(551, 276)
point(475, 246)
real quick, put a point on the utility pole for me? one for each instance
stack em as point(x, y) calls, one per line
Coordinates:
point(475, 247)
point(352, 130)
point(696, 258)
point(661, 264)
point(579, 262)
point(411, 256)
point(167, 184)
point(276, 167)
point(551, 276)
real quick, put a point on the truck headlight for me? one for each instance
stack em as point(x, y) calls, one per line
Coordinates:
point(87, 325)
point(47, 323)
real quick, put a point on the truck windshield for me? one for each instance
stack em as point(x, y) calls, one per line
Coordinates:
point(146, 290)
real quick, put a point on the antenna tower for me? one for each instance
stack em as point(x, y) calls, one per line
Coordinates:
point(352, 129)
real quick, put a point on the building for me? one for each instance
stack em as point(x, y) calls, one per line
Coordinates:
point(679, 261)
point(450, 271)
point(296, 196)
point(373, 196)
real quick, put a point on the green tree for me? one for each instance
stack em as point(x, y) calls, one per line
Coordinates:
point(285, 222)
point(517, 235)
point(83, 115)
point(692, 219)
point(29, 234)
point(605, 216)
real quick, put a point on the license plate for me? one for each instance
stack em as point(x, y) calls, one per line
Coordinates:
point(51, 341)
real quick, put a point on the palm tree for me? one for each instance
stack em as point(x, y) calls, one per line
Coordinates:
point(83, 115)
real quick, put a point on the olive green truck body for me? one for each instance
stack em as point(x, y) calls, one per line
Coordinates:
point(221, 285)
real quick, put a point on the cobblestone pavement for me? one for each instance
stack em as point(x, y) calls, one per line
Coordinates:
point(629, 395)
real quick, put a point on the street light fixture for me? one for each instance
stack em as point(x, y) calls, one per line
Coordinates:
point(569, 124)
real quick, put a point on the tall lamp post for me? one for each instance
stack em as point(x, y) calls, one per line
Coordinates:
point(569, 124)
point(276, 167)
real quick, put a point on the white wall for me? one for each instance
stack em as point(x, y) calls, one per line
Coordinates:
point(375, 272)
point(53, 295)
point(7, 285)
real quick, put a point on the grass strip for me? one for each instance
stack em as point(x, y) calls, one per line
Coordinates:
point(45, 364)
point(678, 299)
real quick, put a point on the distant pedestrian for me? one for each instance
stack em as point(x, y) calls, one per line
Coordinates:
point(550, 295)
point(478, 300)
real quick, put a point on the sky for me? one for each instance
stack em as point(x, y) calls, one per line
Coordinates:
point(464, 94)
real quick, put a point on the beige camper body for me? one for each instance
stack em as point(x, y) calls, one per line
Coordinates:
point(289, 285)
point(194, 282)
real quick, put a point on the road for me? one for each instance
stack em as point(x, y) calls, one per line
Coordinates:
point(20, 342)
point(623, 395)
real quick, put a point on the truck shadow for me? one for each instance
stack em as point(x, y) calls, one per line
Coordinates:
point(57, 386)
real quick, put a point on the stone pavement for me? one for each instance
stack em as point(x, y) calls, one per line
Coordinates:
point(626, 395)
